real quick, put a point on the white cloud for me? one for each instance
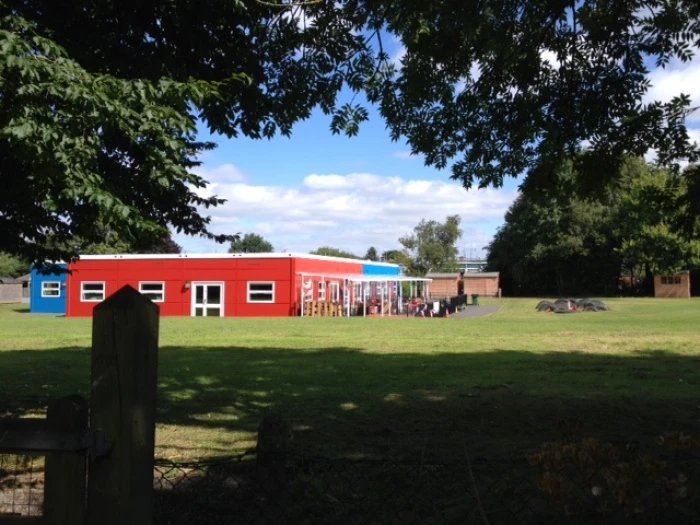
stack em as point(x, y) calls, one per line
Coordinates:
point(674, 80)
point(351, 212)
point(547, 55)
point(223, 173)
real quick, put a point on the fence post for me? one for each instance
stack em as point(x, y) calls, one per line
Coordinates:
point(64, 478)
point(123, 405)
point(271, 459)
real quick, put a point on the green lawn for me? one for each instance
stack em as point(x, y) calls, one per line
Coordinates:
point(393, 387)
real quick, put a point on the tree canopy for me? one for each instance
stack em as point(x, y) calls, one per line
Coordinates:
point(567, 244)
point(334, 252)
point(251, 243)
point(431, 246)
point(11, 266)
point(100, 100)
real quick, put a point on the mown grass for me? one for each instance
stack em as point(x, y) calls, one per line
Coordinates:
point(499, 385)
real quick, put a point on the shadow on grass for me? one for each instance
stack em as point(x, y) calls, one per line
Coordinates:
point(425, 409)
point(343, 401)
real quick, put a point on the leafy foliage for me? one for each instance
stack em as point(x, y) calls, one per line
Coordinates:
point(11, 266)
point(334, 252)
point(565, 244)
point(101, 122)
point(251, 243)
point(371, 254)
point(431, 247)
point(79, 150)
point(508, 87)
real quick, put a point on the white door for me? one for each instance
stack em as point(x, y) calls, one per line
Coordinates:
point(207, 300)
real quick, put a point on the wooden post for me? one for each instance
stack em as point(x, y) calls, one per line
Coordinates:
point(64, 489)
point(271, 452)
point(123, 405)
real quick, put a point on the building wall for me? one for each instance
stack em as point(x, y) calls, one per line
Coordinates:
point(676, 286)
point(484, 286)
point(234, 273)
point(379, 269)
point(42, 288)
point(10, 293)
point(473, 284)
point(180, 273)
point(443, 287)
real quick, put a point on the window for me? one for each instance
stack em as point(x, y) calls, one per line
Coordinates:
point(335, 292)
point(322, 291)
point(357, 289)
point(261, 292)
point(308, 290)
point(154, 291)
point(92, 292)
point(671, 279)
point(51, 289)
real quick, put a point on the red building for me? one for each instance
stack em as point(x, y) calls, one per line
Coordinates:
point(220, 285)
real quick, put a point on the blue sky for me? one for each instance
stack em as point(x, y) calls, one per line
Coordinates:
point(316, 189)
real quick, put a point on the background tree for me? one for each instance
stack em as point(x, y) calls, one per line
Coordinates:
point(561, 243)
point(106, 242)
point(334, 252)
point(371, 254)
point(652, 225)
point(431, 247)
point(251, 243)
point(11, 266)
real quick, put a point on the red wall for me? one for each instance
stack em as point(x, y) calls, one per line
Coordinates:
point(234, 273)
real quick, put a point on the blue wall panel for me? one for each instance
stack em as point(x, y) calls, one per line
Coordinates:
point(380, 269)
point(43, 299)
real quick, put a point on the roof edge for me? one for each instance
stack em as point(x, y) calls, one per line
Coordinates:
point(275, 255)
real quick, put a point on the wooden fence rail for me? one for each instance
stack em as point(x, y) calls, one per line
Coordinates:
point(99, 465)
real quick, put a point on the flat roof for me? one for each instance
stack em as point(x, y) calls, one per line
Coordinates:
point(364, 278)
point(277, 255)
point(467, 275)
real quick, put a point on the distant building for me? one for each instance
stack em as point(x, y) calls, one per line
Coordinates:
point(217, 285)
point(10, 290)
point(449, 284)
point(677, 285)
point(47, 292)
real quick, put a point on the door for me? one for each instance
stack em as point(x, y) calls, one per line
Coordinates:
point(207, 300)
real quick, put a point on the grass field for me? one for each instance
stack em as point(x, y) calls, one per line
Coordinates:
point(362, 387)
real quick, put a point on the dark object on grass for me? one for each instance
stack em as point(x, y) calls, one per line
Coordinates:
point(569, 305)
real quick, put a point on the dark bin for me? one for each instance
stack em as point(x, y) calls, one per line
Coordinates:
point(475, 299)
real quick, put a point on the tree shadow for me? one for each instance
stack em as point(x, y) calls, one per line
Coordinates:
point(346, 406)
point(345, 401)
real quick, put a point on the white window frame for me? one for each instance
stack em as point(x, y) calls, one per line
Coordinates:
point(56, 288)
point(335, 292)
point(83, 291)
point(357, 291)
point(162, 290)
point(322, 290)
point(261, 301)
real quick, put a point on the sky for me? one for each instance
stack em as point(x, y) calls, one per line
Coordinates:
point(316, 189)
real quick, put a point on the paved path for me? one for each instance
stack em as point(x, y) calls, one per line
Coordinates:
point(475, 311)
